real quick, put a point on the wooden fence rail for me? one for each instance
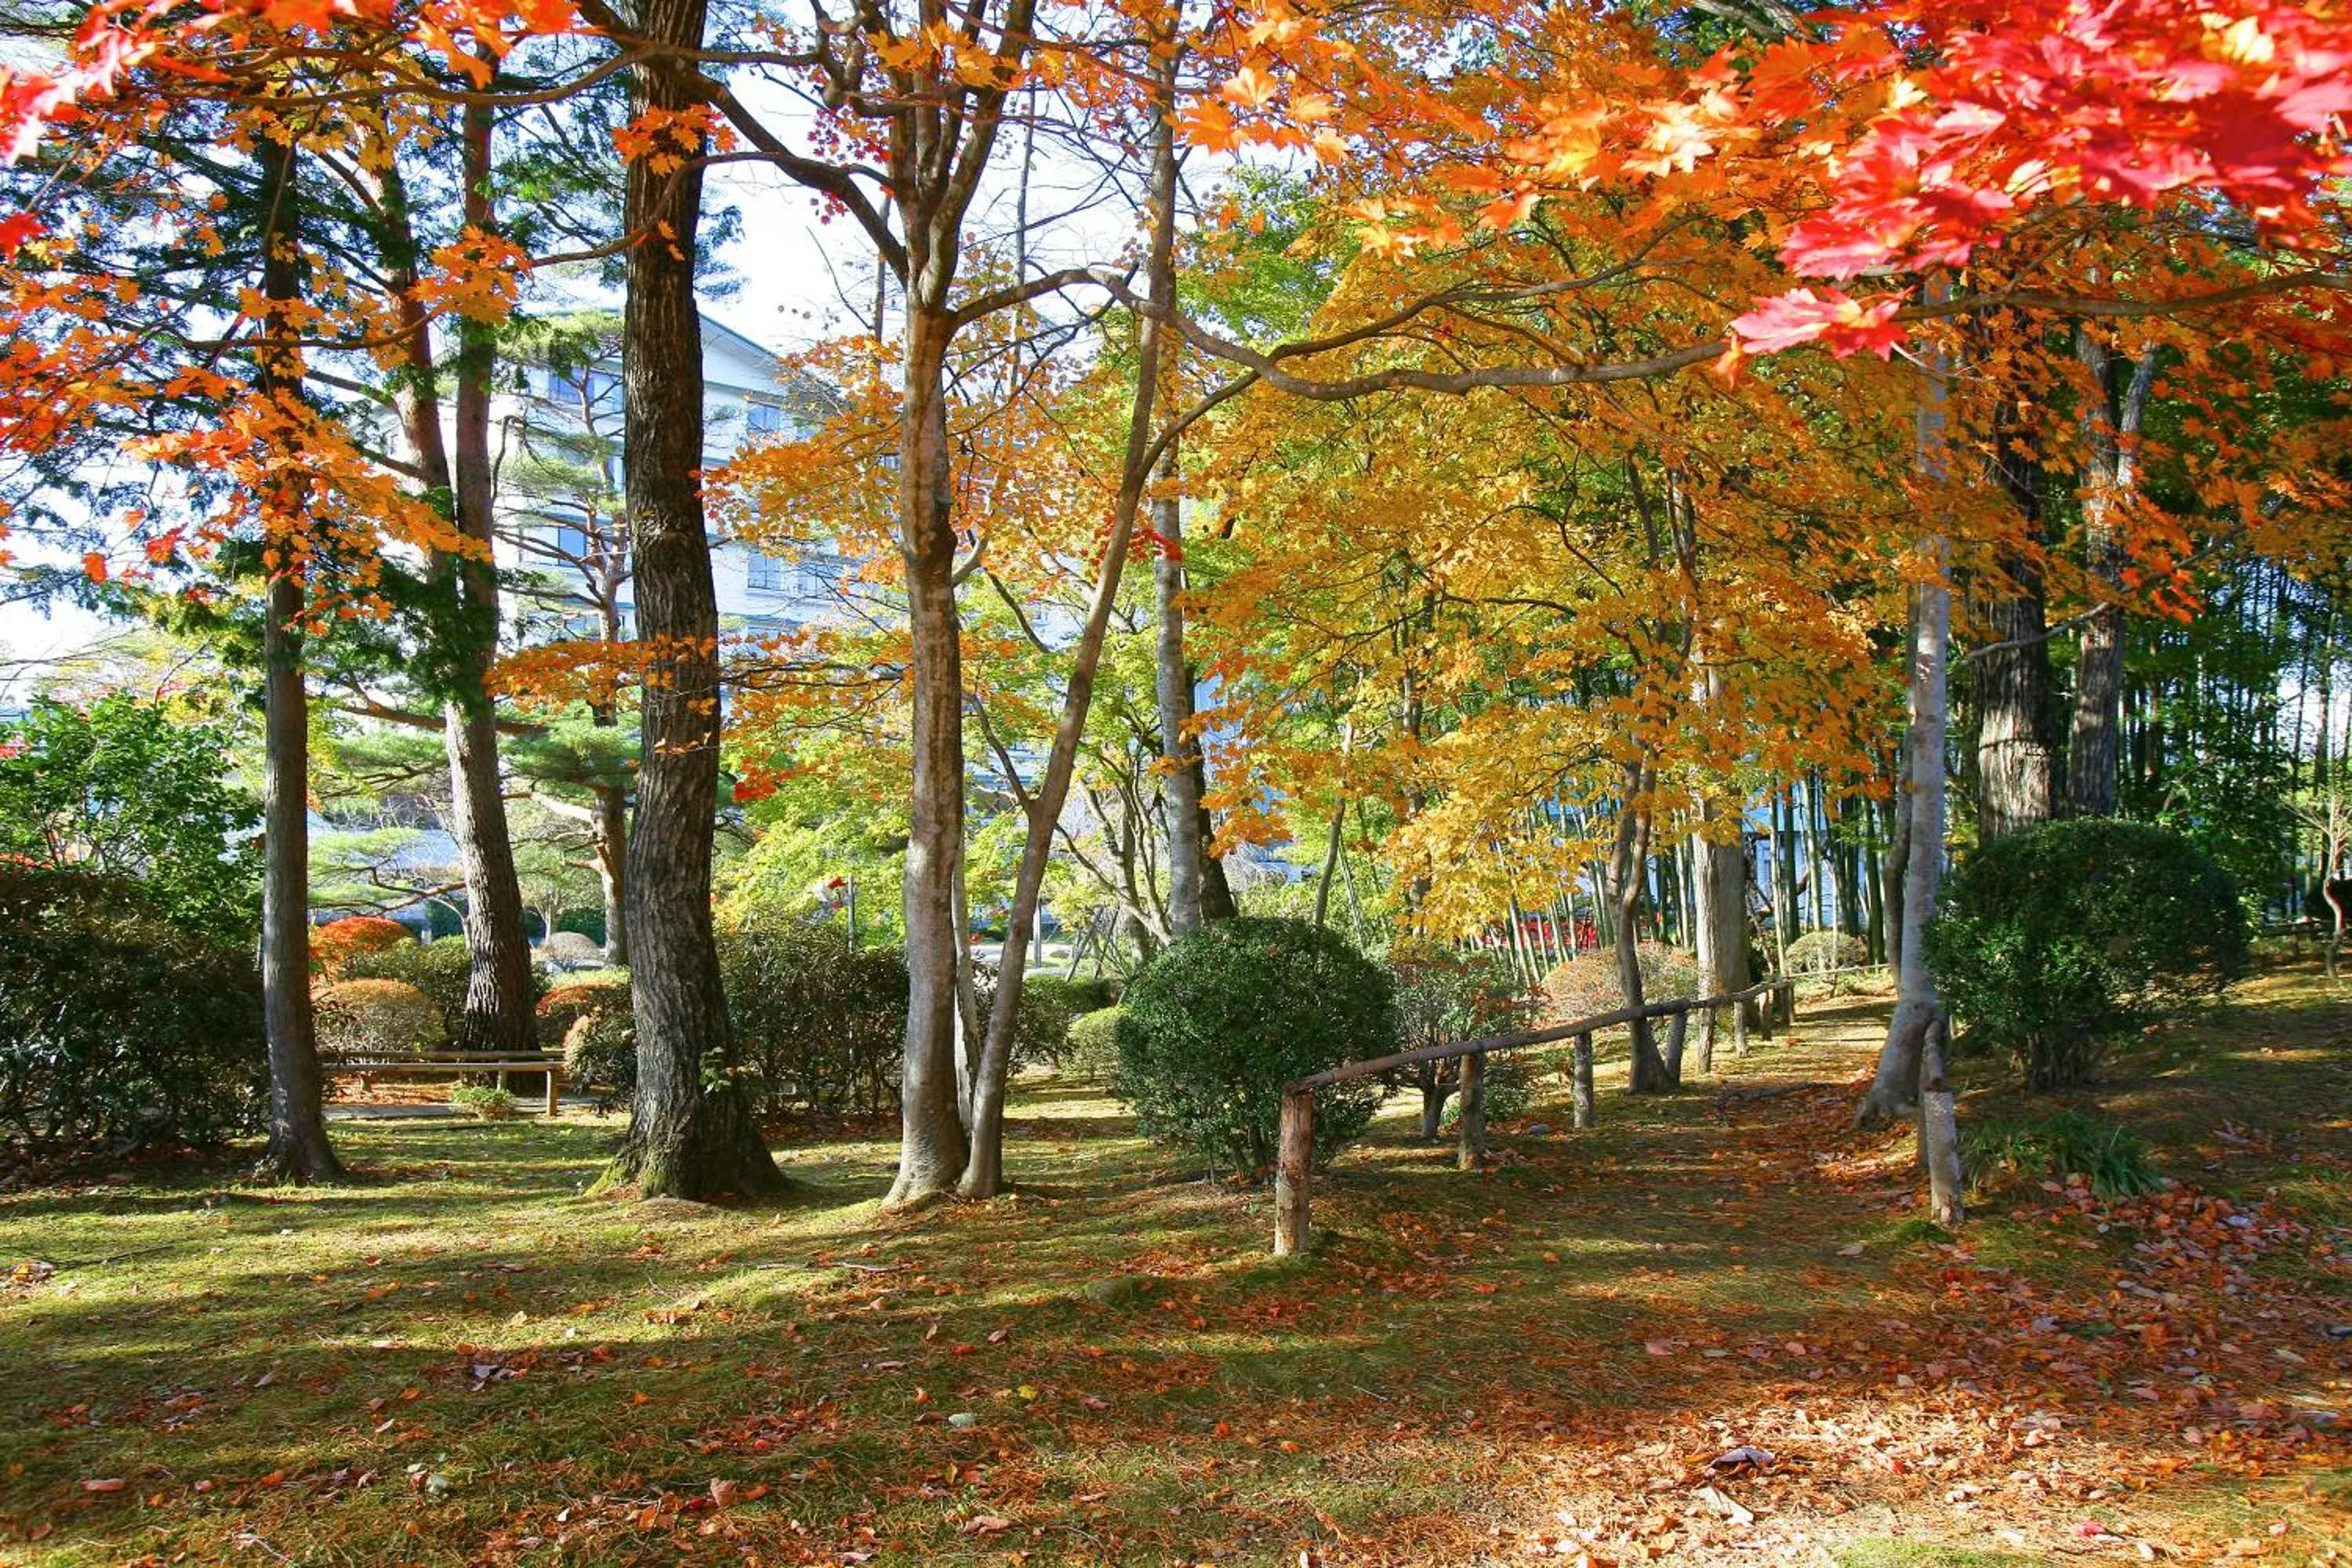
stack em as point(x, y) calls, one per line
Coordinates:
point(1294, 1150)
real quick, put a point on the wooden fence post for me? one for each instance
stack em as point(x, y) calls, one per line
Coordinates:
point(1472, 1153)
point(554, 1078)
point(1582, 1081)
point(1293, 1160)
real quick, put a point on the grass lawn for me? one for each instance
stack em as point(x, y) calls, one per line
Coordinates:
point(461, 1359)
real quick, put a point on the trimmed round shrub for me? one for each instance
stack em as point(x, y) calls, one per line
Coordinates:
point(361, 1018)
point(335, 945)
point(570, 950)
point(600, 1049)
point(1220, 1021)
point(118, 1026)
point(2056, 940)
point(1090, 1049)
point(567, 1004)
point(1819, 952)
point(820, 1028)
point(442, 969)
point(1587, 985)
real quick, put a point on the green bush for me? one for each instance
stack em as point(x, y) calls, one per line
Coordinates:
point(484, 1102)
point(588, 922)
point(1445, 995)
point(138, 788)
point(600, 1049)
point(2112, 1158)
point(1509, 1084)
point(1090, 1049)
point(366, 1018)
point(441, 968)
point(2054, 941)
point(118, 1025)
point(1049, 1004)
point(819, 1027)
point(1220, 1021)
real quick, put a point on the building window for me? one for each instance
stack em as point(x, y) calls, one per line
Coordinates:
point(572, 541)
point(591, 391)
point(767, 574)
point(765, 419)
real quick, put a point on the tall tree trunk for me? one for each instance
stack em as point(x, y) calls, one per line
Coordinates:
point(972, 1030)
point(941, 140)
point(983, 1175)
point(1914, 1033)
point(1871, 879)
point(1852, 867)
point(1217, 900)
point(1180, 789)
point(1436, 1085)
point(1939, 1133)
point(2111, 424)
point(610, 824)
point(1896, 866)
point(2016, 764)
point(1917, 1008)
point(1628, 861)
point(298, 1149)
point(2017, 779)
point(1718, 895)
point(1787, 896)
point(611, 829)
point(931, 1147)
point(498, 1014)
point(1720, 900)
point(1332, 848)
point(692, 1135)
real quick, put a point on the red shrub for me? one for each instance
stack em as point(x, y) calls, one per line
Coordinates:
point(567, 1004)
point(336, 943)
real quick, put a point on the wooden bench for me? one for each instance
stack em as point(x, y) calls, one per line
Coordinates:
point(457, 1063)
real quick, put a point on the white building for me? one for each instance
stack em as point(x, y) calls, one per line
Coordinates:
point(561, 483)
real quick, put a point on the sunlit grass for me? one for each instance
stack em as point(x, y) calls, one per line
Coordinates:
point(461, 1358)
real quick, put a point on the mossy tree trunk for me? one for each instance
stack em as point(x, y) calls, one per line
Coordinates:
point(298, 1149)
point(692, 1135)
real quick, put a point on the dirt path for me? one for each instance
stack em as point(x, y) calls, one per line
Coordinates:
point(2146, 1379)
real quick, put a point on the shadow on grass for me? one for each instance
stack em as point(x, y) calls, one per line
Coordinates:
point(474, 1364)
